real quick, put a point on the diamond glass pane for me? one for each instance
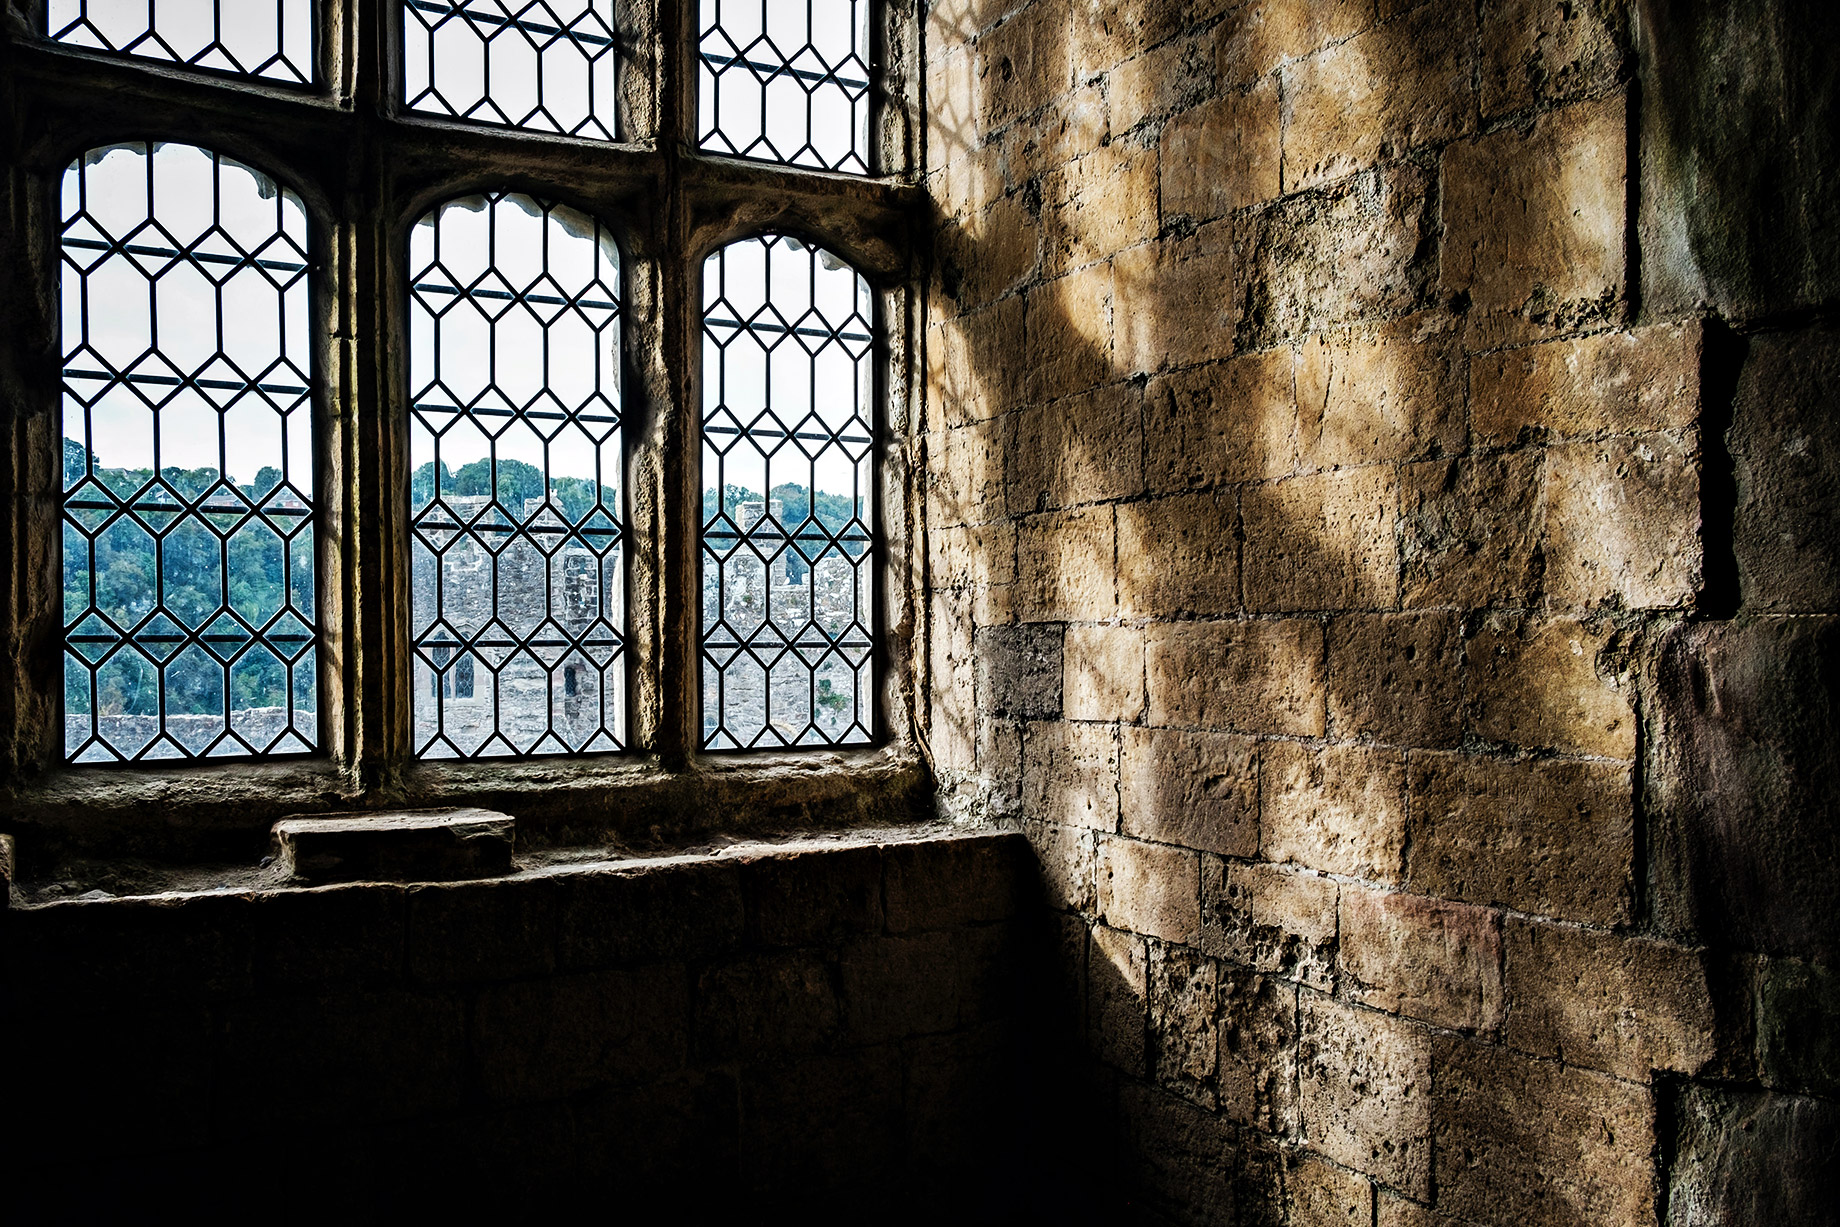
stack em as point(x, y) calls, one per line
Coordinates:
point(189, 614)
point(546, 66)
point(786, 81)
point(257, 38)
point(788, 544)
point(515, 493)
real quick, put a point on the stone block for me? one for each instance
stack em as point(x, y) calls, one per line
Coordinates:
point(1184, 1161)
point(1526, 1141)
point(830, 1122)
point(1380, 95)
point(1364, 1092)
point(1103, 673)
point(975, 567)
point(1184, 1042)
point(1547, 837)
point(1070, 775)
point(1745, 1157)
point(1355, 249)
point(990, 253)
point(1397, 678)
point(346, 936)
point(1158, 82)
point(1098, 205)
point(1019, 671)
point(1230, 422)
point(1175, 301)
point(814, 897)
point(1255, 38)
point(1337, 809)
point(1257, 1049)
point(1387, 391)
point(1107, 32)
point(1321, 1194)
point(1021, 65)
point(1064, 566)
point(1322, 541)
point(1179, 555)
point(1066, 856)
point(548, 1038)
point(971, 373)
point(1196, 789)
point(1535, 54)
point(1222, 155)
point(685, 911)
point(1785, 449)
point(950, 882)
point(1612, 383)
point(1085, 449)
point(484, 931)
point(765, 1006)
point(1068, 337)
point(1534, 223)
point(1471, 531)
point(1118, 988)
point(1149, 889)
point(1274, 921)
point(924, 983)
point(1625, 1005)
point(1552, 684)
point(394, 846)
point(965, 481)
point(1244, 676)
point(1437, 962)
point(1623, 524)
point(1798, 1026)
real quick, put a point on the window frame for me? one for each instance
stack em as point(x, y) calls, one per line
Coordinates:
point(368, 169)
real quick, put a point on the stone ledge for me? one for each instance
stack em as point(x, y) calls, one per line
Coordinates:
point(404, 846)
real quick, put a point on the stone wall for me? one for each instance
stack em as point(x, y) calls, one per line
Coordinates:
point(1382, 477)
point(803, 1026)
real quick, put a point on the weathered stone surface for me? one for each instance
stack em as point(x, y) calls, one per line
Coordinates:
point(1745, 784)
point(1184, 1044)
point(1323, 1195)
point(967, 473)
point(1222, 155)
point(1745, 1157)
point(1322, 541)
point(394, 846)
point(1392, 89)
point(1103, 673)
point(1397, 678)
point(1623, 524)
point(1179, 555)
point(1551, 685)
point(804, 898)
point(1552, 838)
point(1019, 671)
point(1390, 391)
point(1624, 1005)
point(1174, 308)
point(1067, 856)
point(1471, 531)
point(1070, 775)
point(952, 882)
point(1196, 789)
point(1150, 889)
point(971, 374)
point(1272, 920)
point(1021, 64)
point(1235, 421)
point(1349, 250)
point(1364, 1093)
point(1536, 53)
point(1254, 38)
point(1785, 449)
point(1064, 569)
point(776, 1003)
point(1439, 962)
point(1555, 258)
point(1634, 382)
point(991, 252)
point(1118, 988)
point(1339, 809)
point(1798, 1026)
point(1085, 449)
point(1182, 1156)
point(1162, 80)
point(1257, 1049)
point(1253, 676)
point(1525, 1141)
point(1098, 205)
point(1068, 333)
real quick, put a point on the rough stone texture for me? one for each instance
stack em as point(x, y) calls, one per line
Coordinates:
point(1746, 1157)
point(1272, 920)
point(1255, 677)
point(1798, 1046)
point(1609, 383)
point(1365, 1092)
point(1019, 671)
point(1150, 889)
point(1200, 790)
point(1104, 673)
point(1340, 809)
point(1551, 685)
point(407, 846)
point(1438, 962)
point(1397, 679)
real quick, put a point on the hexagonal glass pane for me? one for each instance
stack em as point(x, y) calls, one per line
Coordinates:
point(254, 38)
point(786, 82)
point(546, 66)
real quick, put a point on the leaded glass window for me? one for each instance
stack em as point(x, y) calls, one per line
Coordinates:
point(260, 38)
point(547, 66)
point(788, 543)
point(786, 81)
point(188, 495)
point(516, 456)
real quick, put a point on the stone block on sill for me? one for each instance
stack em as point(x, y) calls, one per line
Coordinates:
point(394, 846)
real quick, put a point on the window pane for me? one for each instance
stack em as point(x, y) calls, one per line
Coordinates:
point(516, 458)
point(546, 66)
point(261, 38)
point(786, 81)
point(788, 507)
point(189, 622)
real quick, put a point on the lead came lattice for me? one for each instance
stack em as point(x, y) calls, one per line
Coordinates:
point(786, 81)
point(546, 66)
point(189, 622)
point(516, 451)
point(788, 550)
point(258, 38)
